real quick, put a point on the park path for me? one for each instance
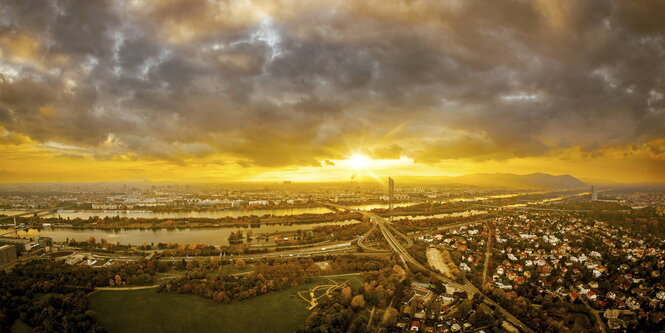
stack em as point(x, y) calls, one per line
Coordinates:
point(127, 288)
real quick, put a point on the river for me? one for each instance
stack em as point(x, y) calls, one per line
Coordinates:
point(85, 214)
point(210, 236)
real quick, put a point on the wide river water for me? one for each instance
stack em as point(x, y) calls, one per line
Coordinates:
point(211, 236)
point(85, 214)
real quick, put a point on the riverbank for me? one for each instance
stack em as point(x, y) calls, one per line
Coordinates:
point(118, 222)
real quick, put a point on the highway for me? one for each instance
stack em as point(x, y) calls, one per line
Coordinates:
point(33, 212)
point(361, 240)
point(401, 251)
point(346, 249)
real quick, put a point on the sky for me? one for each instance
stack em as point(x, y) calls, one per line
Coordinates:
point(205, 90)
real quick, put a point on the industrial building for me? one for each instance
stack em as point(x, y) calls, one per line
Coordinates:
point(7, 256)
point(20, 244)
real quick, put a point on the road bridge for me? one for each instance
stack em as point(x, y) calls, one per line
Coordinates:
point(34, 212)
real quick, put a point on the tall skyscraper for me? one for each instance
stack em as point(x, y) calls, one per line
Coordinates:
point(594, 193)
point(391, 192)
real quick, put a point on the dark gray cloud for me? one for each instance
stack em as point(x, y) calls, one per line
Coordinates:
point(302, 82)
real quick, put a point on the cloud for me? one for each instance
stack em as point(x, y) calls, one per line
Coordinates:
point(244, 164)
point(393, 151)
point(71, 156)
point(298, 82)
point(9, 138)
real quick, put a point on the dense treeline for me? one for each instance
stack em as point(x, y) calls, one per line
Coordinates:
point(51, 296)
point(147, 223)
point(425, 208)
point(102, 246)
point(268, 275)
point(588, 205)
point(332, 232)
point(409, 225)
point(343, 264)
point(342, 232)
point(645, 220)
point(265, 278)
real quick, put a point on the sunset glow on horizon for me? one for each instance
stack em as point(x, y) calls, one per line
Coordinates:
point(190, 91)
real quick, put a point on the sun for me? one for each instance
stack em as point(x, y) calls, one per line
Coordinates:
point(359, 161)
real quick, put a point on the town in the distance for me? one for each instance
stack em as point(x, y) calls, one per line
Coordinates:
point(538, 253)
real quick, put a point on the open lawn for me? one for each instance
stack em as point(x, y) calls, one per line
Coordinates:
point(149, 311)
point(21, 327)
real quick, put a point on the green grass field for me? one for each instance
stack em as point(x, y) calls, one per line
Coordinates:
point(149, 311)
point(21, 327)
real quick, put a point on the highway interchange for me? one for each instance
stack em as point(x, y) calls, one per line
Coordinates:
point(388, 233)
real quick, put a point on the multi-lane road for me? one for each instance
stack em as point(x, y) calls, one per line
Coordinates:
point(363, 238)
point(400, 250)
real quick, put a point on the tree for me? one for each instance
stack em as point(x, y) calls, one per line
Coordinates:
point(398, 270)
point(313, 270)
point(240, 264)
point(214, 262)
point(389, 317)
point(435, 308)
point(358, 302)
point(346, 294)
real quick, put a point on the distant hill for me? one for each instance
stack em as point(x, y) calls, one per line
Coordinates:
point(534, 180)
point(505, 180)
